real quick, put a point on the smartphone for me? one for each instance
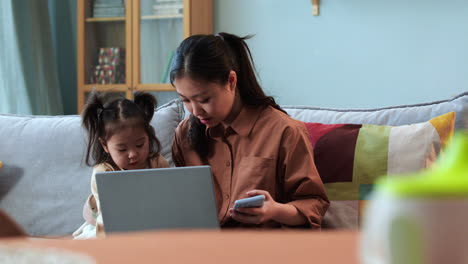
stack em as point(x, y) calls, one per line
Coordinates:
point(254, 201)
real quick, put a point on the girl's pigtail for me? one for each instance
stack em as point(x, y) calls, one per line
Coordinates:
point(91, 121)
point(147, 103)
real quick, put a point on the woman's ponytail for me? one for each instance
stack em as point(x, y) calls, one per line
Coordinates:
point(249, 89)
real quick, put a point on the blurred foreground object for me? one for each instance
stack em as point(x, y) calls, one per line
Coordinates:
point(421, 217)
point(8, 227)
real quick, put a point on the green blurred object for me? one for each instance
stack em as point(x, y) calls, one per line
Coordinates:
point(448, 177)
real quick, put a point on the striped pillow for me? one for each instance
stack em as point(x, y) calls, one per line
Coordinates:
point(349, 158)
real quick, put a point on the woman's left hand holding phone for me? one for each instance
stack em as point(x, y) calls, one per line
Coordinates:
point(256, 215)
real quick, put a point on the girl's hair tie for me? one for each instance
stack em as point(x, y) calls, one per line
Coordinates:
point(99, 112)
point(220, 36)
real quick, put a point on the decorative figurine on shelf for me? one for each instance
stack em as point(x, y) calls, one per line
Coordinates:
point(110, 68)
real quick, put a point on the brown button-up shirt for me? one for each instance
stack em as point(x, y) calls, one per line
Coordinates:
point(262, 149)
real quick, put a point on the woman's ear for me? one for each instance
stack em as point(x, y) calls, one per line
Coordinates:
point(104, 145)
point(232, 80)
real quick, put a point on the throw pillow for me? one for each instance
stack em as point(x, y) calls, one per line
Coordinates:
point(349, 158)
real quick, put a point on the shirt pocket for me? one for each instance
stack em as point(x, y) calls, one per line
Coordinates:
point(257, 173)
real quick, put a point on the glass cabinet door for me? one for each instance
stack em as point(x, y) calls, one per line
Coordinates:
point(161, 29)
point(104, 61)
point(106, 58)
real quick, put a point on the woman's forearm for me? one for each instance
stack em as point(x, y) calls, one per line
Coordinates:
point(288, 215)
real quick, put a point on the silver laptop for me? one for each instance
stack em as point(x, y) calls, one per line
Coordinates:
point(166, 198)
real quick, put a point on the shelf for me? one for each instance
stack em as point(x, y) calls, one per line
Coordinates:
point(153, 17)
point(161, 87)
point(148, 17)
point(107, 87)
point(104, 19)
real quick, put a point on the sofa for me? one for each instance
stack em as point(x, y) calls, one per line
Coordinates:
point(44, 180)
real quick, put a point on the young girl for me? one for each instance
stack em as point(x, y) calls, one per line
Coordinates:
point(120, 137)
point(251, 144)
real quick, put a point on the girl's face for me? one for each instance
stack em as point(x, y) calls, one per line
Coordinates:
point(128, 148)
point(210, 102)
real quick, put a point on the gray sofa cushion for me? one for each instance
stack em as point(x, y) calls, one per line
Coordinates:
point(44, 181)
point(165, 121)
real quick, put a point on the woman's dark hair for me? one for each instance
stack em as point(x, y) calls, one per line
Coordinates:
point(104, 114)
point(210, 58)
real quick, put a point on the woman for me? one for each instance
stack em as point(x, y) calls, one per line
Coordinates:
point(251, 144)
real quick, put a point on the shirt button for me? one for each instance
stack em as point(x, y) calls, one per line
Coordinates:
point(228, 163)
point(226, 196)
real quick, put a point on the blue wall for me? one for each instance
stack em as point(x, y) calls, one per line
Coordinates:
point(357, 53)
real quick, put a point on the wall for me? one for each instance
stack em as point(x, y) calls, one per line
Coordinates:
point(358, 53)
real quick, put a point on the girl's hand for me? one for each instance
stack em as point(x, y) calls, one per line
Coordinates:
point(257, 215)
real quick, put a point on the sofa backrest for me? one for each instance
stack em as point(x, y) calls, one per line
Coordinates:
point(391, 116)
point(44, 181)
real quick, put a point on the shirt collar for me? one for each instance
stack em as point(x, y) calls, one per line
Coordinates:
point(242, 124)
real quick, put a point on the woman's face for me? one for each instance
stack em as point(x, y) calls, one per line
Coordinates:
point(210, 102)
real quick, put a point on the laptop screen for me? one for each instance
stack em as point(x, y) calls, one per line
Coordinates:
point(164, 198)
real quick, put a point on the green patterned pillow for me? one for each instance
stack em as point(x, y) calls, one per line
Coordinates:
point(349, 158)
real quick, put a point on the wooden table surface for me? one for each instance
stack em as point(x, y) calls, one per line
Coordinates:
point(211, 247)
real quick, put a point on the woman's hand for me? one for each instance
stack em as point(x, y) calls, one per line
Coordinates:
point(256, 215)
point(286, 214)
